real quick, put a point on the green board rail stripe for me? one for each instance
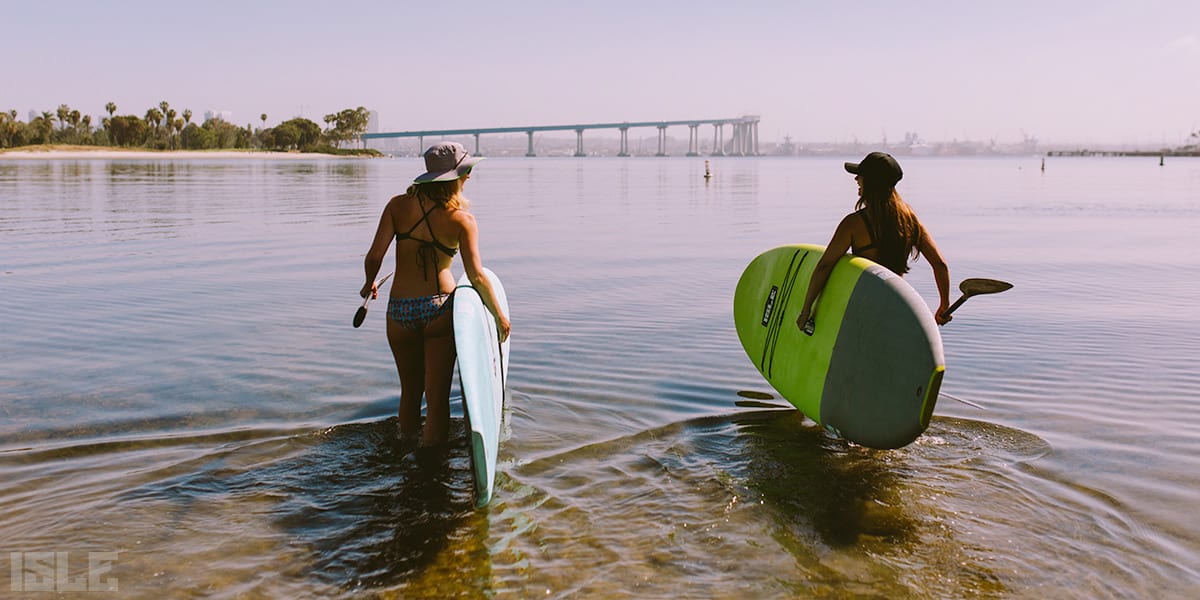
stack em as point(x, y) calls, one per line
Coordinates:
point(778, 308)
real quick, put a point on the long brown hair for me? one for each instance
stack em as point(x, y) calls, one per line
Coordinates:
point(894, 226)
point(446, 193)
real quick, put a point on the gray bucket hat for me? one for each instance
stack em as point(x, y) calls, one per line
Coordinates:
point(446, 161)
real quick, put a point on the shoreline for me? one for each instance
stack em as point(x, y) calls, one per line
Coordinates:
point(74, 152)
point(55, 152)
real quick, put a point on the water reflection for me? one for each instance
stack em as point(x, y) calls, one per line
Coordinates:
point(844, 493)
point(370, 513)
point(351, 170)
point(134, 199)
point(767, 495)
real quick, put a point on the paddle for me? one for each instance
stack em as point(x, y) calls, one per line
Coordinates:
point(976, 287)
point(967, 402)
point(362, 310)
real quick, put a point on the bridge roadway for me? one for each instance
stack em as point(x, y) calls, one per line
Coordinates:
point(743, 142)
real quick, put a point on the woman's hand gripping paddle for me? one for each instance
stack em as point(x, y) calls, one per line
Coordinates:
point(976, 287)
point(362, 310)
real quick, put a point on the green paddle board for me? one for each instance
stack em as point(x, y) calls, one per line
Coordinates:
point(870, 372)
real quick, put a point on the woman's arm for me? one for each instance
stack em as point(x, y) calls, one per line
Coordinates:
point(838, 245)
point(941, 274)
point(384, 234)
point(469, 245)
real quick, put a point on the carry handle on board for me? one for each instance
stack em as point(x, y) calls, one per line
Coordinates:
point(975, 287)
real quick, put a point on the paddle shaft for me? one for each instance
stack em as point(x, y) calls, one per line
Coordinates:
point(377, 284)
point(957, 303)
point(967, 402)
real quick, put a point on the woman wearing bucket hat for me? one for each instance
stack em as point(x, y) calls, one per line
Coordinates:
point(883, 228)
point(430, 223)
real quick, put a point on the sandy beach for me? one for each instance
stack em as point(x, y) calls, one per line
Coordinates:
point(104, 152)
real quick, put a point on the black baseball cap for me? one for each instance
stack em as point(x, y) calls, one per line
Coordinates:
point(877, 165)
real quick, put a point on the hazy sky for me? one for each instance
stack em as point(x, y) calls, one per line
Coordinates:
point(1094, 71)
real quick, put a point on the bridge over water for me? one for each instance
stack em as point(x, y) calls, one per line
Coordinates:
point(743, 134)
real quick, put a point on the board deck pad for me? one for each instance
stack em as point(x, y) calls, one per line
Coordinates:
point(483, 376)
point(870, 372)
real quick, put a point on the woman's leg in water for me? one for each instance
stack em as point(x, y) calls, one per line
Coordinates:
point(439, 352)
point(408, 349)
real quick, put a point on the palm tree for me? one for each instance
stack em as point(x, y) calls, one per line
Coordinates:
point(45, 125)
point(187, 116)
point(170, 124)
point(111, 108)
point(165, 108)
point(154, 118)
point(331, 132)
point(7, 127)
point(73, 118)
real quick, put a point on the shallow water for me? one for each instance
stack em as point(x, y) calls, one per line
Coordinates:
point(180, 385)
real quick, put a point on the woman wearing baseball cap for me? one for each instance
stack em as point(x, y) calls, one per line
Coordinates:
point(429, 223)
point(883, 228)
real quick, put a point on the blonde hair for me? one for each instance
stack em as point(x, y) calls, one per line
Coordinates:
point(895, 228)
point(446, 193)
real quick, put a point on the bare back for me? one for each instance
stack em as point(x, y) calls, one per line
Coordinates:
point(427, 236)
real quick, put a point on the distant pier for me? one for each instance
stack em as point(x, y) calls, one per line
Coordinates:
point(1155, 153)
point(743, 132)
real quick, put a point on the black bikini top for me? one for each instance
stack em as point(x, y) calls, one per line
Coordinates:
point(890, 255)
point(859, 250)
point(427, 252)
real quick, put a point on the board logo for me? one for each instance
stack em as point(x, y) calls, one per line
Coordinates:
point(770, 305)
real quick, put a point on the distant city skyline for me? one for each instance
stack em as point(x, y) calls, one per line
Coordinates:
point(1064, 72)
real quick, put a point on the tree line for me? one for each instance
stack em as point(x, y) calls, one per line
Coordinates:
point(165, 128)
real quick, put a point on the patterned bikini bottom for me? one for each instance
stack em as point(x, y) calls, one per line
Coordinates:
point(415, 313)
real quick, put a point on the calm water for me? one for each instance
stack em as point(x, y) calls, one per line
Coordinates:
point(180, 385)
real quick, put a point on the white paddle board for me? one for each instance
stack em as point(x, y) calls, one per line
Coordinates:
point(482, 374)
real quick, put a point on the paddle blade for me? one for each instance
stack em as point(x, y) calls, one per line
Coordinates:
point(976, 286)
point(757, 404)
point(755, 395)
point(359, 316)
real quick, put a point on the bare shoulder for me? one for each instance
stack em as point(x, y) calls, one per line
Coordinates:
point(853, 223)
point(462, 217)
point(397, 201)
